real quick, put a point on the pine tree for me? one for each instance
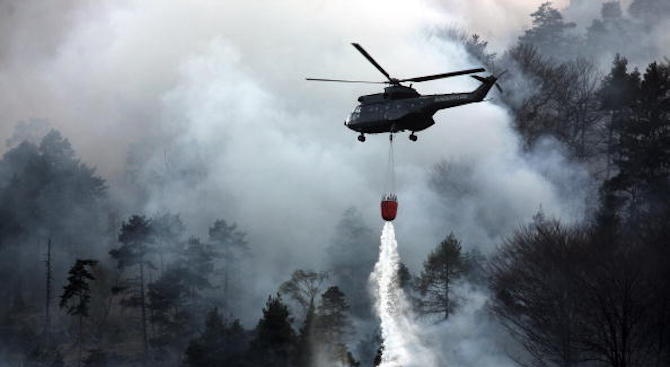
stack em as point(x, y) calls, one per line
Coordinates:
point(275, 340)
point(332, 324)
point(167, 302)
point(550, 33)
point(136, 239)
point(77, 295)
point(643, 143)
point(219, 345)
point(176, 297)
point(617, 95)
point(443, 266)
point(230, 244)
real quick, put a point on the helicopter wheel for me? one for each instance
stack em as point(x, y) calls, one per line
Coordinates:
point(413, 137)
point(361, 138)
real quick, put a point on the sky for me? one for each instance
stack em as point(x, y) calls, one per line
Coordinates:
point(215, 91)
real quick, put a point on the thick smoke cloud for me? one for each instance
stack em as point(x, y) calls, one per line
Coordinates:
point(501, 22)
point(210, 100)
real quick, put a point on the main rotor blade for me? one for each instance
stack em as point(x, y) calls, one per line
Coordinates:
point(444, 75)
point(343, 81)
point(367, 56)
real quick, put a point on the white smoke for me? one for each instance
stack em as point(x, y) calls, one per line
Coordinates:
point(232, 130)
point(403, 344)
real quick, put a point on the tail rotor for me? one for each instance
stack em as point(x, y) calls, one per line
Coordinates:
point(491, 78)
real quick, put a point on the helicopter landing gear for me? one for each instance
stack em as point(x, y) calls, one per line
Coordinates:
point(413, 137)
point(361, 138)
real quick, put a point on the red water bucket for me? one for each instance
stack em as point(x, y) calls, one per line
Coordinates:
point(389, 207)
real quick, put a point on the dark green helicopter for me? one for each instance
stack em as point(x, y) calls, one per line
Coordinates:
point(402, 108)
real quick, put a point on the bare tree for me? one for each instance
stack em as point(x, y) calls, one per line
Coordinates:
point(304, 286)
point(535, 292)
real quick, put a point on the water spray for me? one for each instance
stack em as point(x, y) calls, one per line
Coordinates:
point(402, 344)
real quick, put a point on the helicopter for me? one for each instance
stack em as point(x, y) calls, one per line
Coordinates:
point(400, 107)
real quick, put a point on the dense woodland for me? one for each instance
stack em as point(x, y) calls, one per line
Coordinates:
point(595, 293)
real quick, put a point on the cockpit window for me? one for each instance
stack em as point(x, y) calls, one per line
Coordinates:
point(355, 114)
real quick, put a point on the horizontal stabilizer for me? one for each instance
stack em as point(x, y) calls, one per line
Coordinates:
point(481, 79)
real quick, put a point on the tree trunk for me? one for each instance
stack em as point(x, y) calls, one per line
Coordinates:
point(446, 300)
point(47, 306)
point(81, 317)
point(145, 340)
point(225, 284)
point(446, 293)
point(610, 134)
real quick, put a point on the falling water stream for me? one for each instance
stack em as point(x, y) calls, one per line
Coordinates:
point(403, 346)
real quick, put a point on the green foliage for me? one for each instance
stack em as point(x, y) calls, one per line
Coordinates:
point(619, 89)
point(77, 293)
point(549, 33)
point(441, 269)
point(175, 298)
point(403, 277)
point(332, 322)
point(45, 187)
point(135, 237)
point(221, 344)
point(197, 263)
point(275, 340)
point(641, 135)
point(228, 240)
point(331, 327)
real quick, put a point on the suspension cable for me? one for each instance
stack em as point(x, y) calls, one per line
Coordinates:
point(390, 173)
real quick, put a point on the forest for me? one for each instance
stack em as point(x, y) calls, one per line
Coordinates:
point(85, 283)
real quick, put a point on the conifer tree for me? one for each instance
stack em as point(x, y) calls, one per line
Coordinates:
point(550, 33)
point(443, 266)
point(332, 325)
point(136, 240)
point(275, 340)
point(77, 295)
point(220, 344)
point(230, 244)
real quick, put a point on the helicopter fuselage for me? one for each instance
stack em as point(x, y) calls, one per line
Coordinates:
point(402, 108)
